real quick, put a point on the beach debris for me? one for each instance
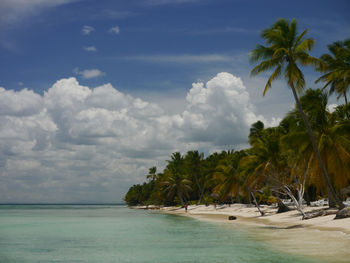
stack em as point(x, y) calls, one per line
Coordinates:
point(321, 202)
point(232, 218)
point(344, 213)
point(256, 204)
point(321, 212)
point(282, 207)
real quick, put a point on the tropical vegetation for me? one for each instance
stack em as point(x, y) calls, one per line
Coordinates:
point(307, 156)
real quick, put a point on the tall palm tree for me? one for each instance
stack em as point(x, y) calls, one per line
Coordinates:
point(332, 136)
point(336, 67)
point(193, 161)
point(265, 165)
point(287, 50)
point(174, 181)
point(227, 178)
point(176, 185)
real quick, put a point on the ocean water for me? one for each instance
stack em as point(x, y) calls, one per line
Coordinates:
point(62, 233)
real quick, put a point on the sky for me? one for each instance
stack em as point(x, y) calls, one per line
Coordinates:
point(95, 92)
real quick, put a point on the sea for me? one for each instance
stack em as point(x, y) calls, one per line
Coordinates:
point(115, 233)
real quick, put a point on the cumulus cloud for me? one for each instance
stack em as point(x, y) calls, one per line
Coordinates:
point(90, 49)
point(114, 30)
point(87, 30)
point(81, 144)
point(89, 73)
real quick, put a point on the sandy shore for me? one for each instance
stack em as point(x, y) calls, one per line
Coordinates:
point(322, 238)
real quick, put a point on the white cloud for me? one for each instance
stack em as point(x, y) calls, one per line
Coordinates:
point(90, 49)
point(114, 30)
point(76, 143)
point(89, 73)
point(87, 30)
point(20, 103)
point(331, 107)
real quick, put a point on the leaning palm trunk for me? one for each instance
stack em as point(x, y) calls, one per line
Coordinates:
point(331, 191)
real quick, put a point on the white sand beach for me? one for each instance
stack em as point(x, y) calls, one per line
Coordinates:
point(321, 237)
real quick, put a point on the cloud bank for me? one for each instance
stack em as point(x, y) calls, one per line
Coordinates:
point(81, 144)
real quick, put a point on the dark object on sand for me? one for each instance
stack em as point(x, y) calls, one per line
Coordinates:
point(321, 212)
point(344, 213)
point(232, 218)
point(282, 207)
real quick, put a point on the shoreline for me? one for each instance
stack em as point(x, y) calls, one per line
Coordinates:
point(249, 215)
point(320, 238)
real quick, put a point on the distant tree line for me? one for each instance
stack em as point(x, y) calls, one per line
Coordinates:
point(306, 156)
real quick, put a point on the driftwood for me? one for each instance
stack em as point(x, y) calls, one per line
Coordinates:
point(298, 203)
point(256, 204)
point(344, 213)
point(282, 207)
point(322, 212)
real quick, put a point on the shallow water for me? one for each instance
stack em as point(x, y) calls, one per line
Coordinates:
point(118, 234)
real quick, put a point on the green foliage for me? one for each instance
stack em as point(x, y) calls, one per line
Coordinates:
point(281, 155)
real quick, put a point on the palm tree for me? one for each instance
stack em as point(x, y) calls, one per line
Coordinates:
point(152, 173)
point(193, 161)
point(332, 137)
point(175, 181)
point(336, 67)
point(287, 50)
point(176, 185)
point(227, 179)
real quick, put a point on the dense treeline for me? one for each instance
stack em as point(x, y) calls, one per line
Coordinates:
point(306, 156)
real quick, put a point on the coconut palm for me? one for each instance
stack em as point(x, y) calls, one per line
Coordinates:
point(265, 166)
point(336, 67)
point(286, 50)
point(227, 179)
point(152, 173)
point(332, 136)
point(176, 184)
point(193, 162)
point(174, 180)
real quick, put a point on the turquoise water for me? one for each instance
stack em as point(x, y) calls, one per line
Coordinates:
point(118, 234)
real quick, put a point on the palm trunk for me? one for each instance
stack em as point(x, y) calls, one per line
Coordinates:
point(199, 189)
point(249, 198)
point(331, 191)
point(179, 195)
point(345, 98)
point(237, 195)
point(346, 103)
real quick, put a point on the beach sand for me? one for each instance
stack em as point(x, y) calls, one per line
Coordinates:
point(322, 238)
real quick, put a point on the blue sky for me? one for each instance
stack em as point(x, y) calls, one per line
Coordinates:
point(138, 66)
point(44, 42)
